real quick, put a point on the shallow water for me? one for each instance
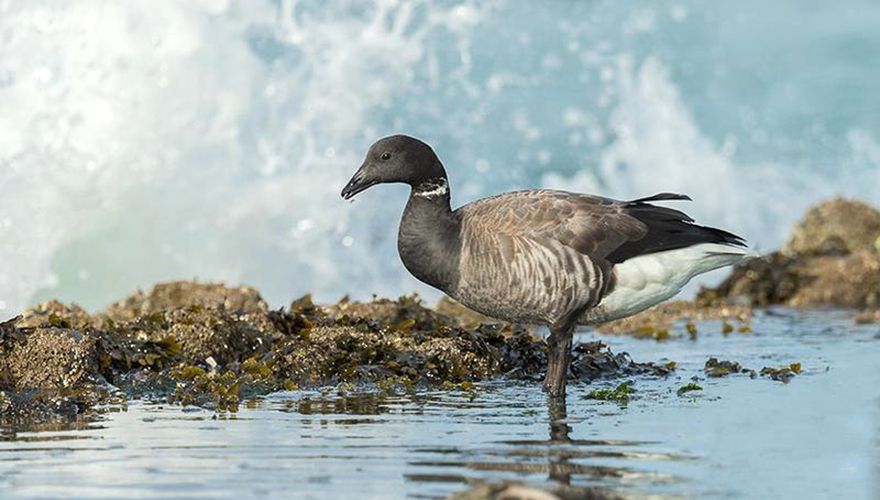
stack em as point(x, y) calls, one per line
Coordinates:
point(815, 437)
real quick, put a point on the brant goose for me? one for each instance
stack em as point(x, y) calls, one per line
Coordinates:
point(542, 256)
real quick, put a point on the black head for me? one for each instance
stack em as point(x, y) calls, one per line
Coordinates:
point(396, 158)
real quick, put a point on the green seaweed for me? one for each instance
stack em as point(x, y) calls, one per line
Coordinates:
point(620, 394)
point(59, 322)
point(689, 387)
point(256, 368)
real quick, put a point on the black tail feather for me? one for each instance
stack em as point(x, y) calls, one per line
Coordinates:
point(668, 229)
point(662, 197)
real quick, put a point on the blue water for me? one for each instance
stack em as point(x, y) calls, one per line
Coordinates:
point(817, 436)
point(210, 138)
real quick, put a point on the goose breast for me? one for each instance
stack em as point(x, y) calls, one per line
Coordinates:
point(524, 280)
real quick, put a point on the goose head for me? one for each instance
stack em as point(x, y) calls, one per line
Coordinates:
point(396, 158)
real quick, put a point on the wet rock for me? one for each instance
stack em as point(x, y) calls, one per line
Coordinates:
point(594, 360)
point(184, 294)
point(716, 368)
point(871, 316)
point(405, 312)
point(406, 341)
point(837, 226)
point(783, 374)
point(832, 259)
point(51, 358)
point(370, 353)
point(213, 346)
point(851, 280)
point(10, 335)
point(211, 333)
point(218, 391)
point(848, 281)
point(760, 282)
point(55, 314)
point(210, 325)
point(34, 410)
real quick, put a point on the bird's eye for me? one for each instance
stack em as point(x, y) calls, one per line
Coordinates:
point(386, 155)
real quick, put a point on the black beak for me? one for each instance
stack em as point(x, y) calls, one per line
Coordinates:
point(358, 183)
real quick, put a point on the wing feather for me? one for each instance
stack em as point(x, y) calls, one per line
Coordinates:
point(591, 225)
point(603, 229)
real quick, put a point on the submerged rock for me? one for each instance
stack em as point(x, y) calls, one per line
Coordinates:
point(722, 368)
point(783, 374)
point(831, 259)
point(871, 316)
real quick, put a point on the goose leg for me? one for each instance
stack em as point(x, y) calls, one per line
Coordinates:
point(559, 358)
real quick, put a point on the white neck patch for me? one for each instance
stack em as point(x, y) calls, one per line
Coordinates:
point(431, 190)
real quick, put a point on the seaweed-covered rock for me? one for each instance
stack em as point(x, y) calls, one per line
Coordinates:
point(783, 374)
point(362, 353)
point(211, 345)
point(212, 333)
point(851, 280)
point(406, 311)
point(836, 226)
point(594, 360)
point(51, 358)
point(763, 281)
point(33, 410)
point(722, 368)
point(870, 316)
point(54, 313)
point(184, 294)
point(832, 258)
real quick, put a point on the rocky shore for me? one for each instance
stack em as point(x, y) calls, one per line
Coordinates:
point(214, 346)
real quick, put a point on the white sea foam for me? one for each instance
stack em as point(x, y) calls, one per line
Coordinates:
point(152, 141)
point(141, 142)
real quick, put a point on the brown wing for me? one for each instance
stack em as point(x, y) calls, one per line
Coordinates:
point(591, 225)
point(537, 256)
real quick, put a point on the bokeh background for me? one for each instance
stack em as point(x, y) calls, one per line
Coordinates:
point(209, 139)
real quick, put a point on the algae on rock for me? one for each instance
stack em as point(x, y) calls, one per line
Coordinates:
point(831, 259)
point(210, 345)
point(51, 358)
